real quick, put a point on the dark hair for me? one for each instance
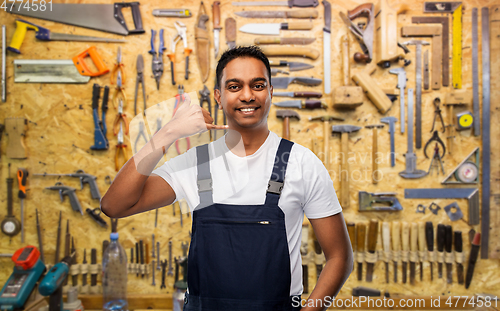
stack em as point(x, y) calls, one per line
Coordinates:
point(241, 51)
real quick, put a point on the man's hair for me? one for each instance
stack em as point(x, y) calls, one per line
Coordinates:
point(241, 51)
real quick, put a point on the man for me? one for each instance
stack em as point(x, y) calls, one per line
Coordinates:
point(248, 192)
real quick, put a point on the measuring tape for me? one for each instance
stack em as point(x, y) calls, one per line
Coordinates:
point(465, 120)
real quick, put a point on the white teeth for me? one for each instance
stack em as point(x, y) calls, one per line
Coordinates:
point(247, 109)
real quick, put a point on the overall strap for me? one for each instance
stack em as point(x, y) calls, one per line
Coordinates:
point(204, 178)
point(276, 181)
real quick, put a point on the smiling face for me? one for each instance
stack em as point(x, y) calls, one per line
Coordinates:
point(245, 94)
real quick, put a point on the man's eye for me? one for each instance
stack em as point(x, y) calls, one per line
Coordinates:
point(232, 87)
point(259, 86)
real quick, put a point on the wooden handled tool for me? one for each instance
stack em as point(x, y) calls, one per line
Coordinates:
point(421, 247)
point(360, 246)
point(371, 255)
point(347, 97)
point(286, 115)
point(429, 237)
point(372, 90)
point(413, 251)
point(396, 247)
point(386, 241)
point(405, 247)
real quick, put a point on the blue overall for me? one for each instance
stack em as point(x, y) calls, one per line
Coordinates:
point(238, 258)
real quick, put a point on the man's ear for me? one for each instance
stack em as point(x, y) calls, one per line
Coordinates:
point(217, 96)
point(271, 90)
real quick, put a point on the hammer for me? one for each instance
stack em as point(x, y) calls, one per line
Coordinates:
point(375, 173)
point(326, 122)
point(344, 131)
point(286, 115)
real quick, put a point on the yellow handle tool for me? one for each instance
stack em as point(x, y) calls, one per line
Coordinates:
point(22, 27)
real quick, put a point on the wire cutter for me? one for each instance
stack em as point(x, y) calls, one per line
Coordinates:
point(205, 97)
point(140, 80)
point(121, 148)
point(157, 62)
point(118, 67)
point(179, 98)
point(119, 95)
point(119, 118)
point(437, 114)
point(181, 34)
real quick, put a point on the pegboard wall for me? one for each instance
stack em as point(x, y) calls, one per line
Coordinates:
point(60, 131)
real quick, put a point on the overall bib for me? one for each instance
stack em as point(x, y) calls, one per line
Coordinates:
point(238, 258)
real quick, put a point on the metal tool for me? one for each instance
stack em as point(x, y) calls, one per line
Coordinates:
point(437, 114)
point(382, 201)
point(405, 248)
point(401, 73)
point(344, 131)
point(474, 251)
point(413, 251)
point(141, 253)
point(467, 172)
point(392, 129)
point(396, 247)
point(429, 238)
point(11, 226)
point(435, 138)
point(4, 50)
point(230, 25)
point(411, 170)
point(153, 272)
point(360, 241)
point(205, 97)
point(436, 158)
point(464, 120)
point(120, 118)
point(93, 261)
point(22, 176)
point(58, 240)
point(292, 66)
point(426, 70)
point(453, 211)
point(302, 104)
point(327, 83)
point(121, 150)
point(326, 135)
point(298, 94)
point(95, 214)
point(172, 13)
point(69, 192)
point(304, 13)
point(39, 236)
point(375, 154)
point(486, 154)
point(158, 256)
point(418, 86)
point(448, 255)
point(100, 140)
point(274, 28)
point(119, 94)
point(386, 25)
point(475, 71)
point(440, 238)
point(216, 25)
point(289, 3)
point(163, 270)
point(455, 8)
point(181, 35)
point(283, 82)
point(153, 247)
point(422, 248)
point(84, 268)
point(45, 34)
point(140, 80)
point(102, 17)
point(157, 60)
point(471, 194)
point(365, 36)
point(84, 179)
point(371, 255)
point(170, 267)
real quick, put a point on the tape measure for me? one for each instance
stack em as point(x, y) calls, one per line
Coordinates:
point(465, 120)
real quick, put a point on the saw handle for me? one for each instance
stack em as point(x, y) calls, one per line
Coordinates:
point(82, 67)
point(362, 10)
point(22, 27)
point(136, 15)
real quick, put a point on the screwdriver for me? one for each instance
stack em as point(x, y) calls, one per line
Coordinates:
point(22, 176)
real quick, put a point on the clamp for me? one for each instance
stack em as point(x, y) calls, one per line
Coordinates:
point(157, 61)
point(119, 118)
point(437, 114)
point(181, 34)
point(435, 137)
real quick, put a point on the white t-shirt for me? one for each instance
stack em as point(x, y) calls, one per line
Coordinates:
point(307, 189)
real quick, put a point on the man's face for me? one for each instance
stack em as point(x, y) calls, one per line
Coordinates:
point(245, 93)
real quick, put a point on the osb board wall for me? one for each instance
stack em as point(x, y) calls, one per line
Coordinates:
point(60, 133)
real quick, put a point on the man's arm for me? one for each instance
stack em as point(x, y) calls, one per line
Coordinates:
point(333, 238)
point(134, 190)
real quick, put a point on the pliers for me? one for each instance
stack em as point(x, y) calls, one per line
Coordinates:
point(119, 118)
point(142, 134)
point(205, 97)
point(435, 137)
point(121, 148)
point(118, 67)
point(157, 62)
point(179, 98)
point(119, 95)
point(140, 80)
point(437, 113)
point(181, 34)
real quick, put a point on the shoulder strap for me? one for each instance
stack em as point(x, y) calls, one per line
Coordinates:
point(204, 178)
point(276, 181)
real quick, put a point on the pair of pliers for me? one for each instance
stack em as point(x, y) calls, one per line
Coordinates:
point(157, 62)
point(141, 134)
point(179, 98)
point(118, 68)
point(119, 95)
point(437, 114)
point(435, 137)
point(121, 148)
point(119, 118)
point(181, 34)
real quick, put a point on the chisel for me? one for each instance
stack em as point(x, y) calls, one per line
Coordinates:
point(440, 248)
point(386, 241)
point(141, 253)
point(131, 266)
point(422, 248)
point(474, 252)
point(58, 240)
point(459, 256)
point(360, 241)
point(137, 259)
point(429, 237)
point(396, 247)
point(449, 255)
point(413, 251)
point(39, 234)
point(84, 268)
point(93, 261)
point(74, 277)
point(371, 255)
point(405, 247)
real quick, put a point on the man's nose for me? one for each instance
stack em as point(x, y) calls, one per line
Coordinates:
point(246, 94)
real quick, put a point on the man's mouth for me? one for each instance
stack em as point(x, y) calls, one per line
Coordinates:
point(248, 110)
